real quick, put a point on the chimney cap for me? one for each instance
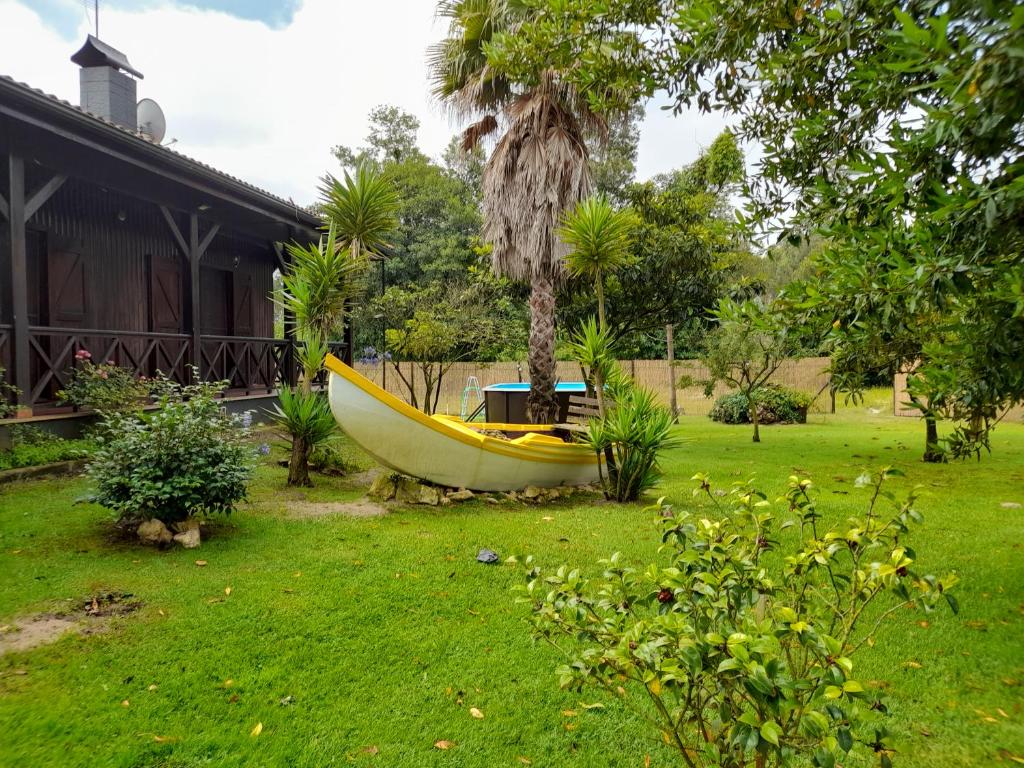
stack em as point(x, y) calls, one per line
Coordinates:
point(96, 53)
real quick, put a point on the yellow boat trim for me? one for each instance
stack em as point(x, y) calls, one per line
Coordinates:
point(529, 447)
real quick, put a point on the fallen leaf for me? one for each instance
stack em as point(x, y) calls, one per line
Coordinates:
point(524, 760)
point(595, 705)
point(163, 739)
point(257, 729)
point(228, 683)
point(296, 574)
point(233, 698)
point(152, 687)
point(476, 713)
point(200, 563)
point(923, 624)
point(472, 612)
point(647, 761)
point(1001, 712)
point(227, 590)
point(913, 664)
point(443, 744)
point(569, 713)
point(125, 703)
point(569, 726)
point(548, 519)
point(373, 750)
point(161, 611)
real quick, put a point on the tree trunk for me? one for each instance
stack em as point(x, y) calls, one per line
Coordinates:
point(542, 404)
point(298, 464)
point(932, 452)
point(599, 285)
point(756, 418)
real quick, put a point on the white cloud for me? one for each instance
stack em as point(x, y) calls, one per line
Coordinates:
point(267, 105)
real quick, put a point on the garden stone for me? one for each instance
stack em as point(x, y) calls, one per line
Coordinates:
point(408, 491)
point(531, 492)
point(463, 494)
point(429, 495)
point(487, 556)
point(383, 488)
point(185, 525)
point(154, 532)
point(189, 539)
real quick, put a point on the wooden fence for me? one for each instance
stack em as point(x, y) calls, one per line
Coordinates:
point(900, 401)
point(806, 375)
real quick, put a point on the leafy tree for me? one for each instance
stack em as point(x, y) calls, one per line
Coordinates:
point(600, 238)
point(444, 323)
point(613, 157)
point(892, 126)
point(684, 252)
point(749, 345)
point(537, 171)
point(392, 139)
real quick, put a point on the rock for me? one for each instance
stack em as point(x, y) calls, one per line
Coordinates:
point(489, 499)
point(430, 495)
point(408, 490)
point(185, 525)
point(445, 501)
point(487, 556)
point(1010, 505)
point(531, 492)
point(463, 494)
point(552, 493)
point(384, 488)
point(188, 539)
point(154, 533)
point(511, 496)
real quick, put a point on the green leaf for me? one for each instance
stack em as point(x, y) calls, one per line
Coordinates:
point(770, 732)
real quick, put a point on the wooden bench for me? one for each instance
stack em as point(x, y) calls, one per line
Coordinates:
point(581, 410)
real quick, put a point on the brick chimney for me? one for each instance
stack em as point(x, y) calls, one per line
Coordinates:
point(108, 83)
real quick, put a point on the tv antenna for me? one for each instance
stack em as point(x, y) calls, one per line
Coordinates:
point(95, 16)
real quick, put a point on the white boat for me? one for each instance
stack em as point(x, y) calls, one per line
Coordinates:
point(447, 451)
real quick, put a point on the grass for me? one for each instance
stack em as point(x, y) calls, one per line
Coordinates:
point(377, 628)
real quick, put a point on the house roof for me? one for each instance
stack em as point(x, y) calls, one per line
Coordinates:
point(14, 94)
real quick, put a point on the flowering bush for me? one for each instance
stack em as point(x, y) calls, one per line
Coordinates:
point(187, 457)
point(739, 656)
point(103, 387)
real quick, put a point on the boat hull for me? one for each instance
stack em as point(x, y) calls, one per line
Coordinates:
point(443, 450)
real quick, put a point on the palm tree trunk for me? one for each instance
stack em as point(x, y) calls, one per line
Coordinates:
point(542, 404)
point(601, 323)
point(298, 465)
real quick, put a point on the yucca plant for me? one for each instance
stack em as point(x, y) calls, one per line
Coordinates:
point(631, 434)
point(600, 237)
point(307, 417)
point(360, 210)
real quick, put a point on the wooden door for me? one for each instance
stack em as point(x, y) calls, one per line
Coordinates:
point(243, 304)
point(216, 292)
point(165, 296)
point(68, 289)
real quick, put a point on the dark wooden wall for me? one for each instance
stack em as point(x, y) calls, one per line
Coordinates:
point(96, 256)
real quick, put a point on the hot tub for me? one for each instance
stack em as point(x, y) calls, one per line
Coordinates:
point(506, 403)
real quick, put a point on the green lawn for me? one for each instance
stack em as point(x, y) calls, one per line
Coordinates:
point(376, 628)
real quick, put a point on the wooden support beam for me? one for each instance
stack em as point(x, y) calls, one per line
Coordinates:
point(19, 277)
point(279, 256)
point(178, 237)
point(194, 256)
point(208, 239)
point(44, 193)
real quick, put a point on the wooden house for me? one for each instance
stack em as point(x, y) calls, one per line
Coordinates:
point(112, 243)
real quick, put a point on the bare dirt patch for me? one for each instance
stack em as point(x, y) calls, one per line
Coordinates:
point(305, 510)
point(92, 616)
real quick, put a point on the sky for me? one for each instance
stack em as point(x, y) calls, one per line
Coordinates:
point(262, 89)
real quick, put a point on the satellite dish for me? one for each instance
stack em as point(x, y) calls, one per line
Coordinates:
point(152, 123)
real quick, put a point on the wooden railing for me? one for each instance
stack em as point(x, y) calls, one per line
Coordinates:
point(251, 365)
point(247, 363)
point(52, 355)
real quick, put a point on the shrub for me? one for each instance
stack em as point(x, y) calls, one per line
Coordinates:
point(32, 447)
point(185, 458)
point(737, 655)
point(776, 404)
point(103, 387)
point(8, 394)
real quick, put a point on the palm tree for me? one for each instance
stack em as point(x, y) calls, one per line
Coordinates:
point(317, 290)
point(600, 237)
point(537, 171)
